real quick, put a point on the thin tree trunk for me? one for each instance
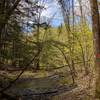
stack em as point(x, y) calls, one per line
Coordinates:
point(83, 22)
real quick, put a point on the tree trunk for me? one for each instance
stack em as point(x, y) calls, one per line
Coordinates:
point(96, 31)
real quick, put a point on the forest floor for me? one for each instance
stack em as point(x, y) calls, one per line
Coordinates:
point(83, 91)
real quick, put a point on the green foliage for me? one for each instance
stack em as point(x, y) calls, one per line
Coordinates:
point(55, 44)
point(25, 46)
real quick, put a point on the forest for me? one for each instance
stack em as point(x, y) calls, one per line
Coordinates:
point(49, 49)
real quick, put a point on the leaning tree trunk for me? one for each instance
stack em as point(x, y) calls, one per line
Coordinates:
point(96, 31)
